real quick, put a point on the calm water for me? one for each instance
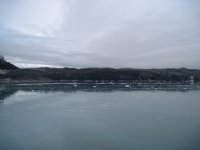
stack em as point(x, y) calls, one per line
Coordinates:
point(99, 120)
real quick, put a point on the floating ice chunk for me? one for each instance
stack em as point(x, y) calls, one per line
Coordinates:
point(127, 86)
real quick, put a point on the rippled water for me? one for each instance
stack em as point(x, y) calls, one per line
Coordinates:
point(54, 119)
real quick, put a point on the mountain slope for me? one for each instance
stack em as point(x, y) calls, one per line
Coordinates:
point(94, 74)
point(4, 65)
point(98, 74)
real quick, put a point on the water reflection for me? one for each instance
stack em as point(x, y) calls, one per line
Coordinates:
point(8, 90)
point(98, 118)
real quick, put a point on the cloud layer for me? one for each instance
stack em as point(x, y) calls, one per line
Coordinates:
point(114, 33)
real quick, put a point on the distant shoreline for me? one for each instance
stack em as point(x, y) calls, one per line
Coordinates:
point(10, 74)
point(10, 81)
point(181, 75)
point(96, 86)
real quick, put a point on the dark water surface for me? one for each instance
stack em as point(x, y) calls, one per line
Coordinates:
point(99, 120)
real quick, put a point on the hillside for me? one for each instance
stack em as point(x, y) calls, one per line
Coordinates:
point(4, 65)
point(11, 72)
point(99, 74)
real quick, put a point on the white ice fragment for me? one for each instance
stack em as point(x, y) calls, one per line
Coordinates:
point(127, 86)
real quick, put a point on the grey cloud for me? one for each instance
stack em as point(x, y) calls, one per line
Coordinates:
point(115, 33)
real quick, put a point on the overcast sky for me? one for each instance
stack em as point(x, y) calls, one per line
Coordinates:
point(101, 33)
